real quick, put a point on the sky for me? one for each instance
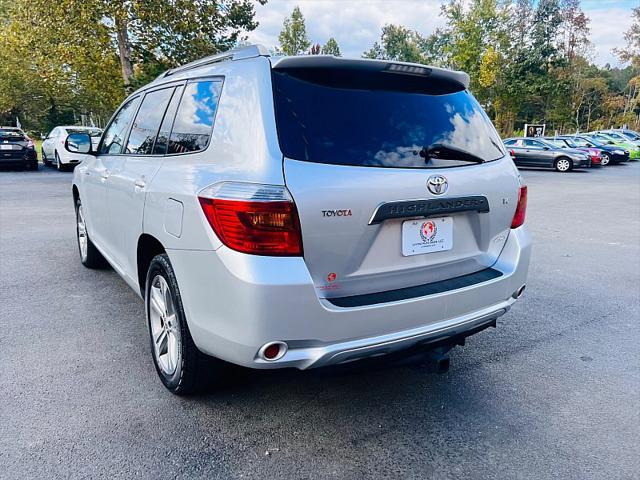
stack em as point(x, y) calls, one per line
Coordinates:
point(356, 24)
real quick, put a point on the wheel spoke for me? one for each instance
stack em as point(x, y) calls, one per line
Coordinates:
point(172, 351)
point(157, 301)
point(162, 342)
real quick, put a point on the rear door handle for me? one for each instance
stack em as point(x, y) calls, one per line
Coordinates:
point(140, 184)
point(104, 175)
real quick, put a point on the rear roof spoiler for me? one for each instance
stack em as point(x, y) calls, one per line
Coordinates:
point(329, 61)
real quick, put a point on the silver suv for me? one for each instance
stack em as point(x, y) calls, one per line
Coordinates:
point(303, 211)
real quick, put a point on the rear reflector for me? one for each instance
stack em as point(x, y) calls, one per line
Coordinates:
point(521, 208)
point(253, 218)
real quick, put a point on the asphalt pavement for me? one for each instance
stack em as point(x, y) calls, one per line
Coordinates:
point(553, 392)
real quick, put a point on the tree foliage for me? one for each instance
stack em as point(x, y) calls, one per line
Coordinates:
point(528, 62)
point(60, 60)
point(293, 37)
point(331, 48)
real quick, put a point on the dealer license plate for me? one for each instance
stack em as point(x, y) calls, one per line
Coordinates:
point(427, 235)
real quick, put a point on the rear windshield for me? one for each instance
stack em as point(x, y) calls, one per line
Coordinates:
point(96, 132)
point(12, 134)
point(377, 119)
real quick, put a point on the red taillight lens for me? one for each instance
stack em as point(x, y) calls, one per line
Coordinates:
point(521, 208)
point(264, 227)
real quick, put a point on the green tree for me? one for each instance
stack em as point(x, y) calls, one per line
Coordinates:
point(331, 48)
point(631, 52)
point(398, 43)
point(293, 37)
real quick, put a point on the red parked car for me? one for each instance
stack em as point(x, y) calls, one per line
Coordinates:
point(595, 154)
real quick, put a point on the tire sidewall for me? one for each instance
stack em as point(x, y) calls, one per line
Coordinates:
point(160, 265)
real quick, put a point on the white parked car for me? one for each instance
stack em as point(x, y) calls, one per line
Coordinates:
point(303, 211)
point(53, 151)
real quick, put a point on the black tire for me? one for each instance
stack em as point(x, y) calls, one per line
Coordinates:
point(560, 163)
point(194, 371)
point(59, 165)
point(45, 160)
point(93, 258)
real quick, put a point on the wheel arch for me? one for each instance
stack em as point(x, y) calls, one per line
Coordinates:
point(76, 194)
point(148, 247)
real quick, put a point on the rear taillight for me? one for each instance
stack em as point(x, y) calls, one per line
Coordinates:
point(521, 208)
point(253, 218)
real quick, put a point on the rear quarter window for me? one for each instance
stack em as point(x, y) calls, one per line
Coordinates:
point(193, 124)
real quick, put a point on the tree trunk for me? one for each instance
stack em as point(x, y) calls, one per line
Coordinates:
point(124, 51)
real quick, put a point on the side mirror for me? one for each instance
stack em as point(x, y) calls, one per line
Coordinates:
point(78, 143)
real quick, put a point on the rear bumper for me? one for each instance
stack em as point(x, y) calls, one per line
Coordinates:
point(236, 303)
point(18, 158)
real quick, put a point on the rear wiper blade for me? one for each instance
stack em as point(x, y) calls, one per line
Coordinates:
point(445, 152)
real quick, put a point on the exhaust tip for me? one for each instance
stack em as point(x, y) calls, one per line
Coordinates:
point(518, 293)
point(272, 351)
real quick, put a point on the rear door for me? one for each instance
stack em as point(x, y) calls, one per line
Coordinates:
point(536, 154)
point(127, 184)
point(382, 170)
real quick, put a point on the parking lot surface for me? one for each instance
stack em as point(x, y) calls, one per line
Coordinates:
point(553, 392)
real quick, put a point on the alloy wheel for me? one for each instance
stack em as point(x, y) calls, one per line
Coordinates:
point(163, 322)
point(605, 159)
point(563, 165)
point(82, 234)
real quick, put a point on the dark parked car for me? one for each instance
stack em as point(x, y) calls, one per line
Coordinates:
point(610, 153)
point(17, 149)
point(537, 152)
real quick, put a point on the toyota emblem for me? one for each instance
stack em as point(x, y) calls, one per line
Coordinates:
point(437, 184)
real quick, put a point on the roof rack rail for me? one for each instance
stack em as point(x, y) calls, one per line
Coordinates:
point(249, 51)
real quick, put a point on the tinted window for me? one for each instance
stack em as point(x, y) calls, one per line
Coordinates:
point(533, 143)
point(92, 132)
point(160, 147)
point(114, 136)
point(194, 121)
point(147, 122)
point(510, 142)
point(377, 119)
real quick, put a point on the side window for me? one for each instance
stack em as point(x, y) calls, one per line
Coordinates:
point(510, 142)
point(533, 143)
point(147, 122)
point(160, 148)
point(194, 121)
point(114, 135)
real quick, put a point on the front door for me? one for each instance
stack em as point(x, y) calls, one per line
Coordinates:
point(98, 177)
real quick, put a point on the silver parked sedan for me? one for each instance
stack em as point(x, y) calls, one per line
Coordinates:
point(303, 211)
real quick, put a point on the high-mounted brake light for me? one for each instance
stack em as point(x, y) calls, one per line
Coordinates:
point(521, 208)
point(253, 218)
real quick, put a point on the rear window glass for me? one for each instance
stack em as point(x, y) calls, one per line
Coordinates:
point(193, 124)
point(147, 122)
point(377, 119)
point(11, 133)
